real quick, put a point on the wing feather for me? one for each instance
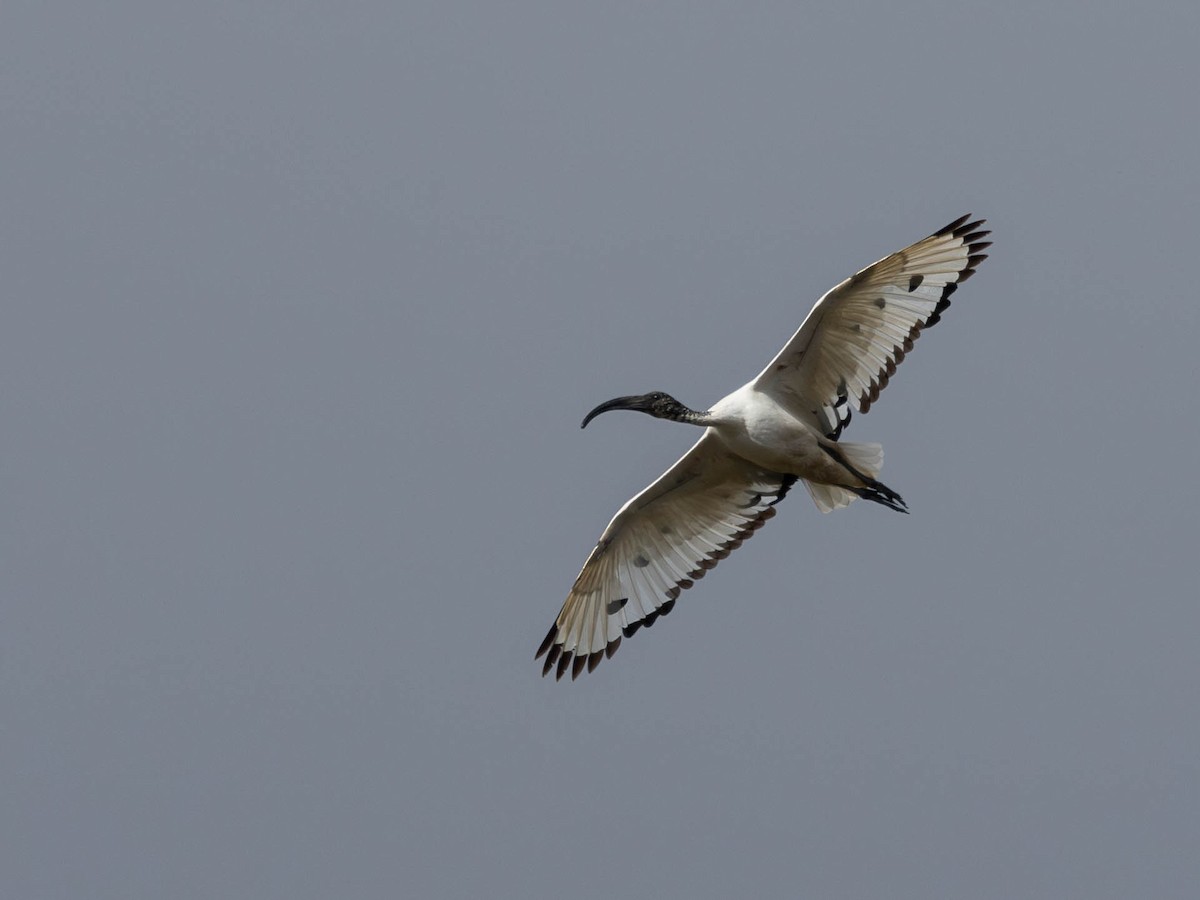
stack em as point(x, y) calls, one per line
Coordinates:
point(659, 544)
point(858, 333)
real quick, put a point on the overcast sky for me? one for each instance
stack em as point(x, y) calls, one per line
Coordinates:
point(303, 304)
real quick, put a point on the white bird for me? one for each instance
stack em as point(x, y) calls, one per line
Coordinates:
point(758, 441)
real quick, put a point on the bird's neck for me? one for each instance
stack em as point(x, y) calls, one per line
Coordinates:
point(688, 416)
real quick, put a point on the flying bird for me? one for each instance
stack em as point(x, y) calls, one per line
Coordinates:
point(778, 429)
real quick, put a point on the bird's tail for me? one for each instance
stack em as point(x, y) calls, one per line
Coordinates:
point(864, 461)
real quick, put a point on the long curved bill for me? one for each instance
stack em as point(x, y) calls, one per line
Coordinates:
point(617, 403)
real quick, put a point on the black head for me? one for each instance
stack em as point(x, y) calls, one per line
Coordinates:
point(656, 403)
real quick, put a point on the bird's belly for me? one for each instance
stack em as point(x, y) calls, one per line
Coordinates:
point(779, 445)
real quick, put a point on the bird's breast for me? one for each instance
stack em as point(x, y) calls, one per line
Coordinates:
point(766, 434)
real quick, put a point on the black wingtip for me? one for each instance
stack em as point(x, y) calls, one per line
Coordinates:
point(951, 227)
point(963, 228)
point(551, 659)
point(547, 641)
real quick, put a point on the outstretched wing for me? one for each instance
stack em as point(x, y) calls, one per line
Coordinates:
point(856, 335)
point(658, 544)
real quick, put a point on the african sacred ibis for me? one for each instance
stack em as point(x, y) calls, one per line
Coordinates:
point(781, 427)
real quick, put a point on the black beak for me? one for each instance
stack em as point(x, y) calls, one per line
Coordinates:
point(636, 403)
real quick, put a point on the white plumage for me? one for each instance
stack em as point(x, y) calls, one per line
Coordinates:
point(758, 441)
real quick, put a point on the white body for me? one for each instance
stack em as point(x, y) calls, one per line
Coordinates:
point(756, 427)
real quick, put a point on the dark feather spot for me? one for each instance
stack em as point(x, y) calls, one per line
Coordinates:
point(880, 302)
point(915, 282)
point(612, 647)
point(631, 629)
point(640, 561)
point(615, 606)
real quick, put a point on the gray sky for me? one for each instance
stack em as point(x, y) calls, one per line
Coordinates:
point(303, 306)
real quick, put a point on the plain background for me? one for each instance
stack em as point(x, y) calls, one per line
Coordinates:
point(303, 304)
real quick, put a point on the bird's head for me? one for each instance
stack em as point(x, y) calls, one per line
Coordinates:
point(656, 403)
